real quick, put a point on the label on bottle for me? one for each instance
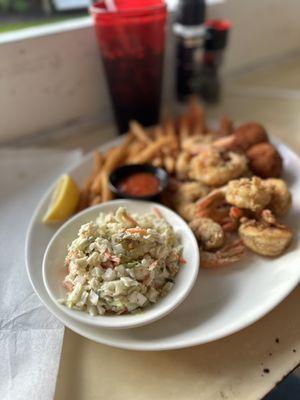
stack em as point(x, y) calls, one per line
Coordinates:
point(190, 53)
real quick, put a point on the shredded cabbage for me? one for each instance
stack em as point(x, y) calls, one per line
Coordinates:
point(121, 263)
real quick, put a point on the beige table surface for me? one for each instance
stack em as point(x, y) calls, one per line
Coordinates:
point(243, 366)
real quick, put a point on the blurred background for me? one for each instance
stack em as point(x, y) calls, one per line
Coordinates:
point(49, 54)
point(17, 14)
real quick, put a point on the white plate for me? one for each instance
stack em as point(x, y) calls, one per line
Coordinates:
point(54, 269)
point(222, 301)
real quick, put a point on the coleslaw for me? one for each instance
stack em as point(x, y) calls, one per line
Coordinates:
point(121, 263)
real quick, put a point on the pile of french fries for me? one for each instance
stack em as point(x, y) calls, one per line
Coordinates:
point(161, 146)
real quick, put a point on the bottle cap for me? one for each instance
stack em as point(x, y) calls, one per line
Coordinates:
point(217, 34)
point(191, 12)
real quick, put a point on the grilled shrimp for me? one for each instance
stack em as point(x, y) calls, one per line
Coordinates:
point(209, 233)
point(215, 168)
point(229, 254)
point(251, 194)
point(281, 198)
point(265, 236)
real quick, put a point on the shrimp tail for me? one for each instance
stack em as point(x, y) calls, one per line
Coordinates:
point(229, 254)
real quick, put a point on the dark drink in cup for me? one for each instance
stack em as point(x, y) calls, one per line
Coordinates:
point(131, 41)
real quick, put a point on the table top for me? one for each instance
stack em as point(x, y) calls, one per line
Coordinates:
point(245, 365)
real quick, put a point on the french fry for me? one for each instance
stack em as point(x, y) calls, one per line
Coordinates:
point(166, 150)
point(169, 163)
point(169, 128)
point(96, 184)
point(197, 116)
point(133, 150)
point(157, 162)
point(96, 200)
point(170, 131)
point(152, 134)
point(88, 182)
point(98, 160)
point(171, 149)
point(158, 132)
point(183, 128)
point(118, 154)
point(225, 126)
point(151, 150)
point(139, 132)
point(129, 139)
point(105, 191)
point(115, 158)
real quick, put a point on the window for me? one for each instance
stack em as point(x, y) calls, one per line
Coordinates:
point(16, 14)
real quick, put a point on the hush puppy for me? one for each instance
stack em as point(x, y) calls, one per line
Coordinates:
point(265, 160)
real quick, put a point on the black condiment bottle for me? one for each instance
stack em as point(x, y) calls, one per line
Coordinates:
point(209, 85)
point(190, 34)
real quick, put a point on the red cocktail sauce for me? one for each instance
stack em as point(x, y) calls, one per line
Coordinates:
point(140, 184)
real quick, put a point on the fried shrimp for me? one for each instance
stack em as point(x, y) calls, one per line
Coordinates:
point(191, 191)
point(265, 160)
point(196, 144)
point(182, 165)
point(214, 206)
point(208, 233)
point(208, 205)
point(243, 138)
point(265, 236)
point(184, 196)
point(254, 194)
point(229, 254)
point(215, 168)
point(281, 198)
point(186, 210)
point(223, 180)
point(251, 194)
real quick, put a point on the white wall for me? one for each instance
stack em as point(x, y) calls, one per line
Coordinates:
point(50, 81)
point(52, 77)
point(262, 29)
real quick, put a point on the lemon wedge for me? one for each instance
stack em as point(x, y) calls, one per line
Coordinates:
point(64, 200)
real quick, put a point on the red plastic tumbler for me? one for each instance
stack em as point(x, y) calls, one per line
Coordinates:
point(131, 40)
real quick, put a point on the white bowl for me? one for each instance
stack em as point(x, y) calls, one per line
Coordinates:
point(54, 270)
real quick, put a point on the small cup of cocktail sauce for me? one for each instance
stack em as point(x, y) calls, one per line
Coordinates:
point(138, 181)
